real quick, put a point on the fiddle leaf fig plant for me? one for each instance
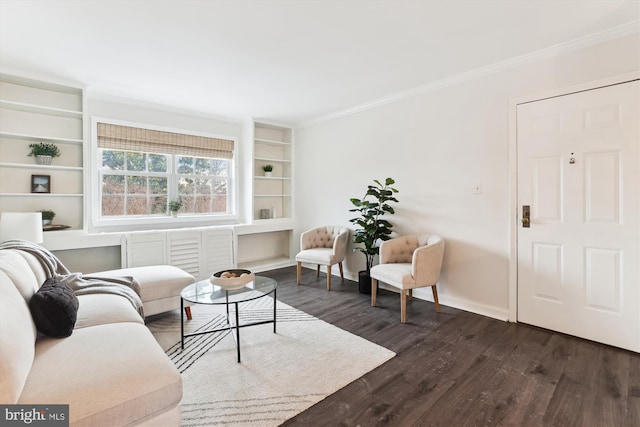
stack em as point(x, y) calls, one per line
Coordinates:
point(371, 224)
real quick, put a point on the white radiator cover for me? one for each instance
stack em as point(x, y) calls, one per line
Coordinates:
point(199, 252)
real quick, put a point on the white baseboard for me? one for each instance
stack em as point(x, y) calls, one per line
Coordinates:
point(461, 304)
point(426, 294)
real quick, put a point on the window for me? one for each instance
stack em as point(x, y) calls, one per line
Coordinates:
point(141, 170)
point(202, 184)
point(134, 183)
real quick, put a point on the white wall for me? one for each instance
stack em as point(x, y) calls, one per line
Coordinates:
point(437, 146)
point(90, 260)
point(161, 116)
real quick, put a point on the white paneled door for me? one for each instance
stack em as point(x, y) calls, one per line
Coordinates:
point(578, 172)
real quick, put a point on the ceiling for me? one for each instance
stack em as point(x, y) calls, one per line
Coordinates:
point(287, 61)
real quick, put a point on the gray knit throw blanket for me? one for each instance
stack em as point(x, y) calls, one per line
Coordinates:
point(126, 286)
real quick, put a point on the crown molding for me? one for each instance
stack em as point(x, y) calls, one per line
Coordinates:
point(95, 95)
point(41, 77)
point(623, 30)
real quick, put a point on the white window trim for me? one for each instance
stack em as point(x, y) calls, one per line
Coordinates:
point(92, 176)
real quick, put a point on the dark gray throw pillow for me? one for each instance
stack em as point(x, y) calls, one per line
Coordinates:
point(54, 309)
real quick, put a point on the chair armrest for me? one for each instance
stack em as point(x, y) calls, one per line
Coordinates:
point(305, 239)
point(426, 263)
point(385, 250)
point(340, 244)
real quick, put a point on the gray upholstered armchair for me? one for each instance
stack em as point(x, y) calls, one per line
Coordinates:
point(406, 263)
point(326, 245)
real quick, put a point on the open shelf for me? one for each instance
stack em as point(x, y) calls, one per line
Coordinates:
point(31, 108)
point(272, 144)
point(266, 244)
point(37, 166)
point(271, 141)
point(264, 250)
point(266, 264)
point(273, 160)
point(41, 195)
point(33, 111)
point(39, 138)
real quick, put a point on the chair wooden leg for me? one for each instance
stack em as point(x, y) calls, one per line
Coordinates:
point(435, 298)
point(403, 306)
point(328, 277)
point(341, 272)
point(374, 288)
point(299, 271)
point(318, 271)
point(187, 311)
point(410, 294)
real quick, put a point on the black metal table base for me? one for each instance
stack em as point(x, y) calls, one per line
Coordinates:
point(230, 326)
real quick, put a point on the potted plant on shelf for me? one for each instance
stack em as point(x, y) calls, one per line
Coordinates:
point(47, 216)
point(44, 152)
point(174, 207)
point(267, 169)
point(372, 226)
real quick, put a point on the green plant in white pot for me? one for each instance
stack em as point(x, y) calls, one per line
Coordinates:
point(47, 216)
point(44, 152)
point(267, 169)
point(174, 207)
point(372, 227)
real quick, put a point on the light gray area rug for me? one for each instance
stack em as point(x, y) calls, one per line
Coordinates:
point(280, 375)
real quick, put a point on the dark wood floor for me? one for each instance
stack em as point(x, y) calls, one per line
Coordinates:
point(460, 369)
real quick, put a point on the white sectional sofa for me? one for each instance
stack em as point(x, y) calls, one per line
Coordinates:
point(110, 370)
point(160, 286)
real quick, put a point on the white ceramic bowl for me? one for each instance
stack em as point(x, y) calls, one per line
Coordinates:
point(239, 278)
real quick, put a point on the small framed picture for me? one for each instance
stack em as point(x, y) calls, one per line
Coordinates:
point(41, 183)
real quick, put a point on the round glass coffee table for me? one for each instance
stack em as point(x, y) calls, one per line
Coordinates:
point(203, 292)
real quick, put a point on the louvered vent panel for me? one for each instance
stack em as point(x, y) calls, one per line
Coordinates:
point(184, 252)
point(217, 248)
point(199, 253)
point(143, 250)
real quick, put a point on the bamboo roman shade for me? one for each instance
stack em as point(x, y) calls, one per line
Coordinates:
point(116, 137)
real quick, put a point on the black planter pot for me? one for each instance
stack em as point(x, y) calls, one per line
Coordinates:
point(364, 282)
